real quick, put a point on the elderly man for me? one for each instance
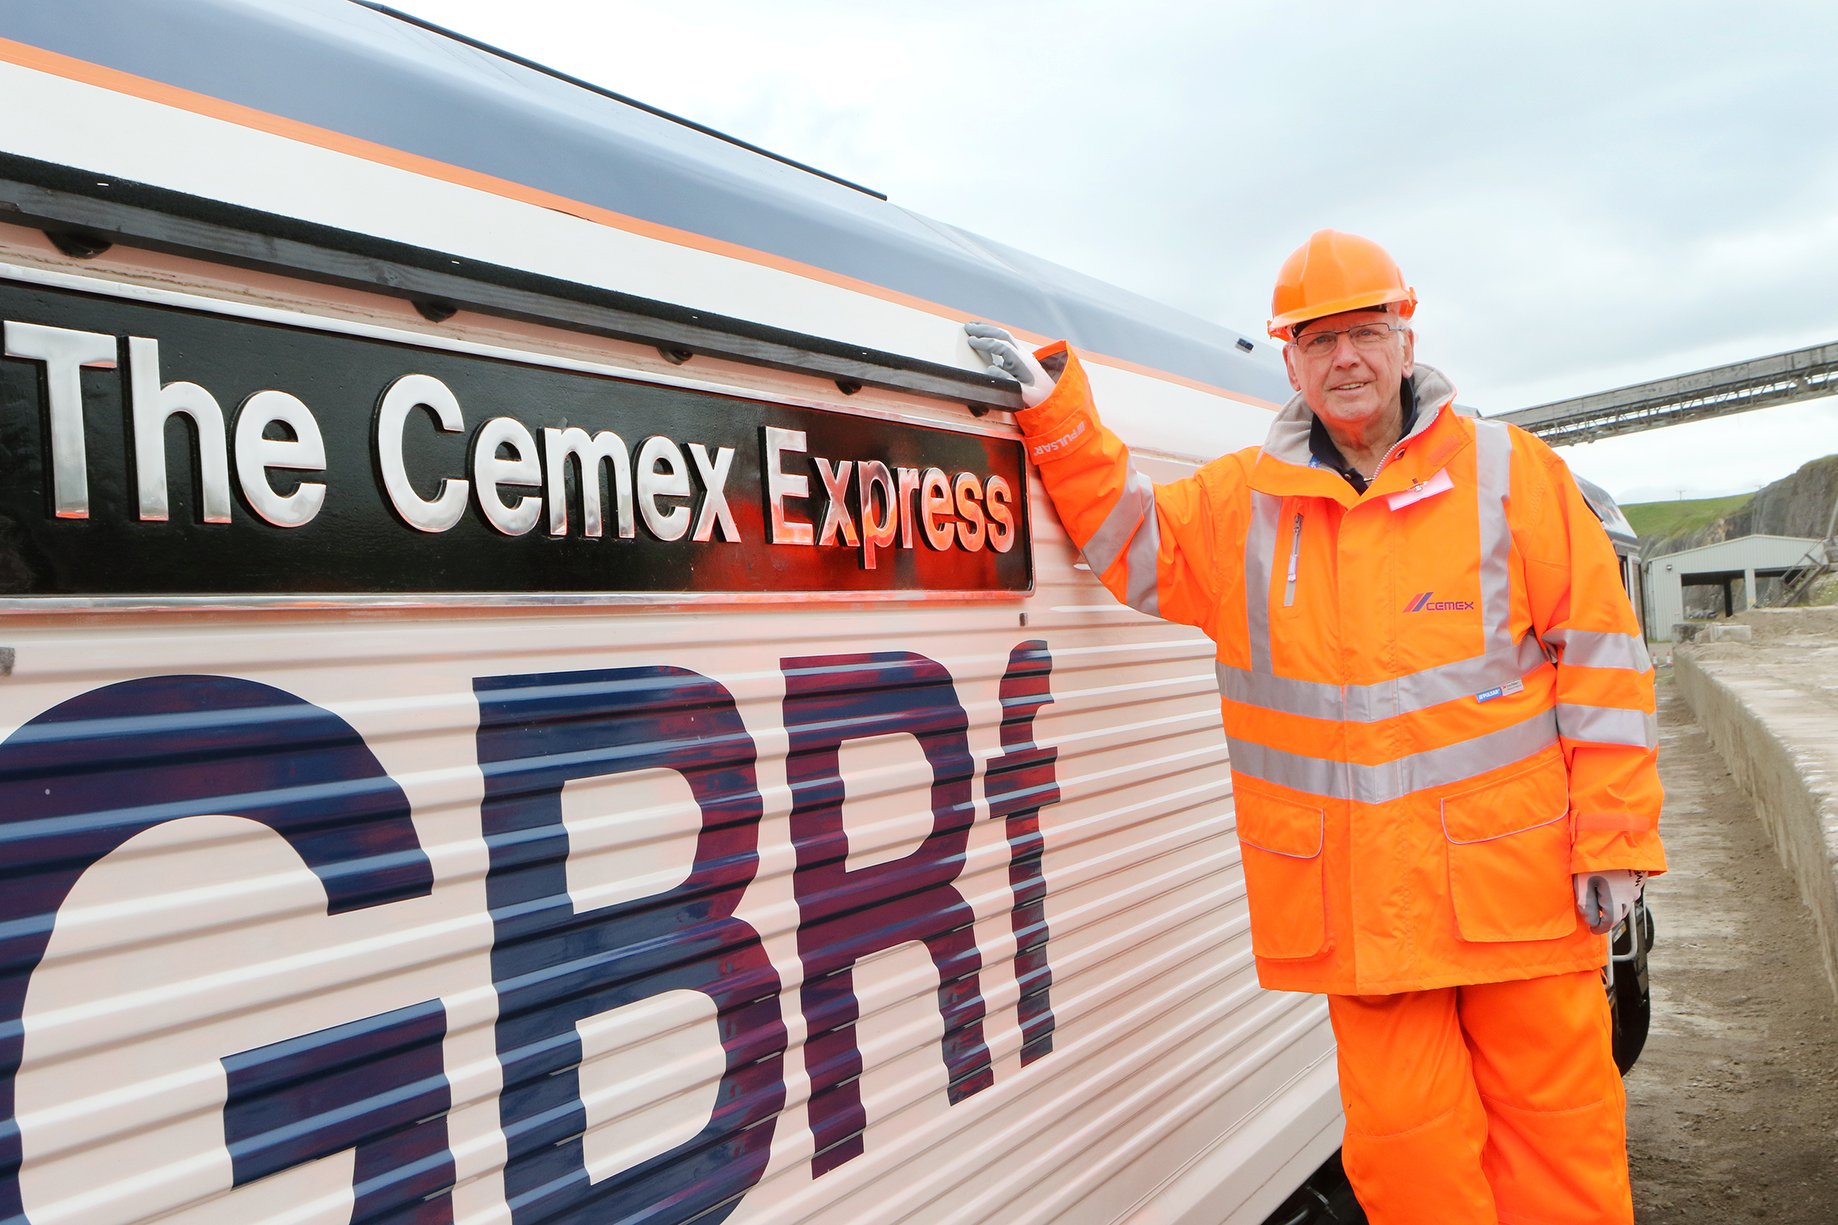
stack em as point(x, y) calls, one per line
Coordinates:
point(1439, 710)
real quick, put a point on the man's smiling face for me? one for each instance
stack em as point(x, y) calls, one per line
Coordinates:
point(1351, 386)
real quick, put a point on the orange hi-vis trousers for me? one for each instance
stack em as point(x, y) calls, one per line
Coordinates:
point(1472, 1105)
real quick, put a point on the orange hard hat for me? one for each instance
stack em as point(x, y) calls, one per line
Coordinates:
point(1334, 272)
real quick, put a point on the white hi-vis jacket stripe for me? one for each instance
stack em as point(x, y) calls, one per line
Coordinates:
point(1493, 478)
point(1130, 526)
point(1402, 776)
point(1607, 725)
point(1401, 695)
point(1587, 649)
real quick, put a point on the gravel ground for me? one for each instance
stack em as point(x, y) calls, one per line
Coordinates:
point(1772, 624)
point(1733, 1107)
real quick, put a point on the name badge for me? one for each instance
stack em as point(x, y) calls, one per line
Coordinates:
point(1421, 490)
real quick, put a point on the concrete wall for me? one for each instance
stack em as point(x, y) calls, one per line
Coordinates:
point(1779, 748)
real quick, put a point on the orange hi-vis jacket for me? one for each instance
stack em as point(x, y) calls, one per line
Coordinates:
point(1437, 701)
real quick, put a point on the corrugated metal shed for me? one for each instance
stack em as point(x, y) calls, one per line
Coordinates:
point(1746, 559)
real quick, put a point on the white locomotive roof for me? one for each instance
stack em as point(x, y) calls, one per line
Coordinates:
point(368, 73)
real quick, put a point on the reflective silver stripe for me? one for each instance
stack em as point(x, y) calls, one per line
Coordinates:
point(1259, 545)
point(1393, 780)
point(1142, 588)
point(1403, 695)
point(1589, 649)
point(1493, 454)
point(1608, 725)
point(1136, 502)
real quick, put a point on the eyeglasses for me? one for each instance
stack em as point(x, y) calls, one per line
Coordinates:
point(1365, 336)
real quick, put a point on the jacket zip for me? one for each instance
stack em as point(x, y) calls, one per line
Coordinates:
point(1295, 552)
point(1383, 460)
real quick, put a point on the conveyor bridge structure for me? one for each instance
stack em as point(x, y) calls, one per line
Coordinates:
point(1761, 382)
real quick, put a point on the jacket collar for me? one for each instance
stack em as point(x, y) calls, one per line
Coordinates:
point(1286, 466)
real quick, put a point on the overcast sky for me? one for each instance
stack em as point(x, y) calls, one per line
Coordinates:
point(1584, 195)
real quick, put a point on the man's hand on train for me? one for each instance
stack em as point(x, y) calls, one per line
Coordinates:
point(1605, 897)
point(1010, 359)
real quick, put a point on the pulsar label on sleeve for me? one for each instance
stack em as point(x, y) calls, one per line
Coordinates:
point(1059, 444)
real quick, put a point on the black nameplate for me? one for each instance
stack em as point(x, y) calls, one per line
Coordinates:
point(154, 450)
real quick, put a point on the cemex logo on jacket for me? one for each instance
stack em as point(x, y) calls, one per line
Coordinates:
point(1427, 602)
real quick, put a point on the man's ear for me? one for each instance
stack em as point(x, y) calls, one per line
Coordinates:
point(1410, 352)
point(1289, 364)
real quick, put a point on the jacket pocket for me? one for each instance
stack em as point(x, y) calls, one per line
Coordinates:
point(1280, 841)
point(1509, 856)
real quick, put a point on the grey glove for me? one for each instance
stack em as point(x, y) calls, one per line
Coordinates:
point(1008, 358)
point(1604, 897)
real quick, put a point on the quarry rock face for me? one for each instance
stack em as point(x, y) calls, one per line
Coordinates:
point(1796, 505)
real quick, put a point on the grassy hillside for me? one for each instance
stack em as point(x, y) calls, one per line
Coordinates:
point(1655, 519)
